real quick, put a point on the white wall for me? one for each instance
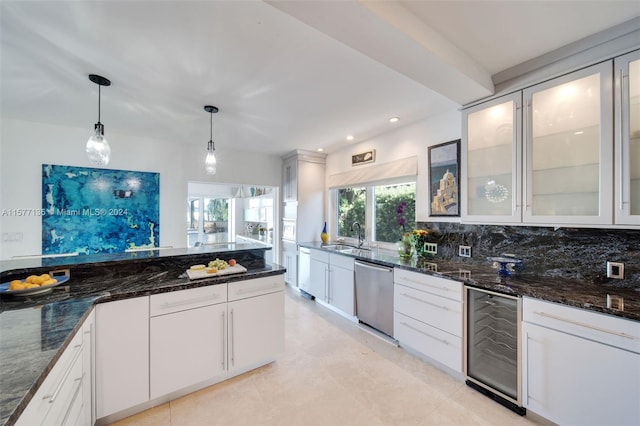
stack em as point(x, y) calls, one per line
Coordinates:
point(25, 146)
point(406, 141)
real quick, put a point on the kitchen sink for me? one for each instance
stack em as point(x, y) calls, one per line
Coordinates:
point(347, 249)
point(339, 247)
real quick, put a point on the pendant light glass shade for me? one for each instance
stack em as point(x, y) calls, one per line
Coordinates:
point(98, 149)
point(210, 161)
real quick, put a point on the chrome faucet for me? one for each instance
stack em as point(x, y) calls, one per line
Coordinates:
point(359, 231)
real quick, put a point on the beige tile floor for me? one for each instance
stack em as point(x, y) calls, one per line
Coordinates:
point(333, 373)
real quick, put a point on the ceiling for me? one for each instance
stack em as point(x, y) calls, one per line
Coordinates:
point(285, 74)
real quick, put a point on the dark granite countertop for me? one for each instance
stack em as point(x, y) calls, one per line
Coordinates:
point(35, 330)
point(576, 293)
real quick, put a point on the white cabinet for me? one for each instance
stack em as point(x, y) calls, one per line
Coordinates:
point(319, 274)
point(491, 166)
point(341, 291)
point(256, 322)
point(187, 333)
point(289, 179)
point(627, 137)
point(331, 280)
point(580, 367)
point(290, 262)
point(304, 268)
point(543, 155)
point(122, 355)
point(64, 398)
point(428, 316)
point(568, 148)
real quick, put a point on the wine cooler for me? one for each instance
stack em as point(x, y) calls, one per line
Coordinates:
point(492, 346)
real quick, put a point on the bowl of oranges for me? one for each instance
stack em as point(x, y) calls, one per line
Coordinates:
point(32, 285)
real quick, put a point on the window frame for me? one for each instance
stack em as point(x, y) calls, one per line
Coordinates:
point(368, 226)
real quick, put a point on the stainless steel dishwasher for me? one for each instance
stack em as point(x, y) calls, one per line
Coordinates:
point(374, 296)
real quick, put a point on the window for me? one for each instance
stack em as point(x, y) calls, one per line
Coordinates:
point(351, 208)
point(376, 209)
point(392, 203)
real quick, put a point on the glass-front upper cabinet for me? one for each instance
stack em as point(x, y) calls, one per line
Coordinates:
point(627, 136)
point(490, 161)
point(568, 148)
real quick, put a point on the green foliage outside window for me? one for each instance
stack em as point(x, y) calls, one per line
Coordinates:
point(388, 198)
point(351, 208)
point(217, 209)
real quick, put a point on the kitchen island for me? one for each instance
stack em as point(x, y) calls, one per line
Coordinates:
point(35, 330)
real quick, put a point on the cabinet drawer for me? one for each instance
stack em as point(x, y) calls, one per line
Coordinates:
point(429, 341)
point(595, 326)
point(320, 255)
point(174, 301)
point(63, 397)
point(52, 390)
point(256, 287)
point(439, 312)
point(341, 261)
point(424, 282)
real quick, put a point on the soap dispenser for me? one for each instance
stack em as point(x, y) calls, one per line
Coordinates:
point(324, 236)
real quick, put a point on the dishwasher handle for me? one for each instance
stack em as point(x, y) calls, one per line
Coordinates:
point(372, 266)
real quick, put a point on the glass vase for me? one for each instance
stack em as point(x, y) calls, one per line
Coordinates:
point(405, 246)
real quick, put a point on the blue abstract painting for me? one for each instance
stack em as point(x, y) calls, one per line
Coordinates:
point(89, 210)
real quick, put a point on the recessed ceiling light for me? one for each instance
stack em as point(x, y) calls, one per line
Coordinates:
point(320, 149)
point(394, 119)
point(350, 138)
point(579, 132)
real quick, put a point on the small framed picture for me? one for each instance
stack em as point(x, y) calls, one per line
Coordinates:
point(444, 179)
point(363, 158)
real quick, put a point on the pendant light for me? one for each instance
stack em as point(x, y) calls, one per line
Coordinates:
point(210, 161)
point(98, 149)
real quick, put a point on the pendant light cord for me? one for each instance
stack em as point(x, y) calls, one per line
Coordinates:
point(211, 126)
point(99, 87)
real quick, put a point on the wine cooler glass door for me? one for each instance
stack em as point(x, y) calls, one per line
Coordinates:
point(492, 342)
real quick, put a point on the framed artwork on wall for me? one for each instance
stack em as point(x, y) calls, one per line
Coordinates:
point(444, 179)
point(91, 210)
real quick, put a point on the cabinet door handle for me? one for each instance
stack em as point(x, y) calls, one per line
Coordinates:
point(445, 288)
point(224, 345)
point(75, 395)
point(424, 301)
point(525, 154)
point(581, 324)
point(423, 333)
point(327, 286)
point(168, 305)
point(233, 351)
point(53, 397)
point(258, 289)
point(620, 174)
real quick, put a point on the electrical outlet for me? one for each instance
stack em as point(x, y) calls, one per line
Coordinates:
point(8, 237)
point(431, 248)
point(615, 302)
point(433, 267)
point(615, 270)
point(464, 251)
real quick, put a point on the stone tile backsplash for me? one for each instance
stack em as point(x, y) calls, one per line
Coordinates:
point(574, 253)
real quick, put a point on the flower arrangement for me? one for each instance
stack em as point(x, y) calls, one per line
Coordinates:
point(400, 214)
point(405, 246)
point(420, 237)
